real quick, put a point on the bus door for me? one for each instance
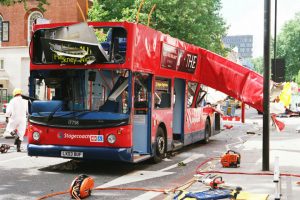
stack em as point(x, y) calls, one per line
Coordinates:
point(194, 129)
point(178, 113)
point(142, 115)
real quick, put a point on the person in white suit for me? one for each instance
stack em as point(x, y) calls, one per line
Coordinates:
point(16, 114)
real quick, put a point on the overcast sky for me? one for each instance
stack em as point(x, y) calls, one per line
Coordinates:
point(245, 17)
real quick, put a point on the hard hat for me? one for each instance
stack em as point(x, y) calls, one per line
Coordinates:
point(17, 91)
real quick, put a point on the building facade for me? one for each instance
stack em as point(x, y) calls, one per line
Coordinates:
point(244, 45)
point(16, 30)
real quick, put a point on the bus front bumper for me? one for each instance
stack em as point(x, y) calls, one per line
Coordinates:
point(88, 153)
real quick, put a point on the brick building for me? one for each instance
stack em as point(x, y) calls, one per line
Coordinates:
point(15, 28)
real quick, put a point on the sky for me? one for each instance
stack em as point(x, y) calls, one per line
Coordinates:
point(246, 17)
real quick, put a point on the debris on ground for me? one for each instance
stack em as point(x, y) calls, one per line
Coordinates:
point(181, 164)
point(228, 126)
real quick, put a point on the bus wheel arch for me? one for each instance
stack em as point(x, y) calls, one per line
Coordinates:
point(160, 144)
point(207, 131)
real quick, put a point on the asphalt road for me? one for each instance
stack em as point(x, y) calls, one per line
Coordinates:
point(24, 177)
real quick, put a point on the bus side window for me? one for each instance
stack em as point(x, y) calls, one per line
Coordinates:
point(201, 101)
point(191, 93)
point(165, 100)
point(141, 94)
point(162, 97)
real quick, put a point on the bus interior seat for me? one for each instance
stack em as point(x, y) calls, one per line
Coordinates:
point(117, 56)
point(110, 106)
point(118, 35)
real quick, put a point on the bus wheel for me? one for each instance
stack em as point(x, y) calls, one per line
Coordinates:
point(207, 132)
point(160, 146)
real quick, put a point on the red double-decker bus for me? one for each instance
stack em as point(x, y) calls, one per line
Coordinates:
point(117, 91)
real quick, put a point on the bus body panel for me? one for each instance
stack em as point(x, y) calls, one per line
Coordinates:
point(212, 70)
point(89, 153)
point(194, 125)
point(164, 119)
point(85, 137)
point(146, 52)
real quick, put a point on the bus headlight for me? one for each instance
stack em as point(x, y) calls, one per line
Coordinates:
point(36, 135)
point(111, 138)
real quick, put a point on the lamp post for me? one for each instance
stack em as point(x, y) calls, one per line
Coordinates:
point(275, 38)
point(266, 91)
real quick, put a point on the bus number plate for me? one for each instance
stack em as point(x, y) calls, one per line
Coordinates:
point(71, 154)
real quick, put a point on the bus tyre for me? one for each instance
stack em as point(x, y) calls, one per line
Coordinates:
point(207, 132)
point(160, 146)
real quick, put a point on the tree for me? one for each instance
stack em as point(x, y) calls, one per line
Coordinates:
point(297, 79)
point(289, 47)
point(194, 21)
point(11, 2)
point(258, 65)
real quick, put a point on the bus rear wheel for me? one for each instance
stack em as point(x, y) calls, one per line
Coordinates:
point(207, 132)
point(160, 146)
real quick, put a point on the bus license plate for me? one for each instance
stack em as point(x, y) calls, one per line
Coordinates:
point(71, 154)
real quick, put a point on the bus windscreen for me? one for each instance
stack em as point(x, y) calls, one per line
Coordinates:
point(95, 98)
point(79, 44)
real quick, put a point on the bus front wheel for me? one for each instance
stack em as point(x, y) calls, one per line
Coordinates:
point(160, 146)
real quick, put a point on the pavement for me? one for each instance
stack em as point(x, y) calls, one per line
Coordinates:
point(2, 123)
point(284, 146)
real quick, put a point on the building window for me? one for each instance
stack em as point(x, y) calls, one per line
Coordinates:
point(1, 63)
point(31, 19)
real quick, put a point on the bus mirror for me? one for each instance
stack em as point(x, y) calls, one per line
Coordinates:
point(92, 76)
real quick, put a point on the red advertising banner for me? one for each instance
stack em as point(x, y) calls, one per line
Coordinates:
point(178, 59)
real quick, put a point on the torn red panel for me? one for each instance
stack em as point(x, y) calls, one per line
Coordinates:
point(228, 126)
point(278, 124)
point(232, 79)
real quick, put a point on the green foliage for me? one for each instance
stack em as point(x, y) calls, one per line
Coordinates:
point(297, 79)
point(195, 21)
point(258, 65)
point(41, 3)
point(288, 47)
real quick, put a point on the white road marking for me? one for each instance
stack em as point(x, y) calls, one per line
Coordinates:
point(12, 159)
point(144, 175)
point(151, 195)
point(189, 159)
point(147, 195)
point(135, 177)
point(237, 143)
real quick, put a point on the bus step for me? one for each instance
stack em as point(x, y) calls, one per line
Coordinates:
point(140, 157)
point(177, 144)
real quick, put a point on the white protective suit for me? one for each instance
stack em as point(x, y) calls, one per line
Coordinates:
point(17, 110)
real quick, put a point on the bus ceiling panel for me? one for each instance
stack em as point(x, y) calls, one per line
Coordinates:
point(78, 32)
point(72, 52)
